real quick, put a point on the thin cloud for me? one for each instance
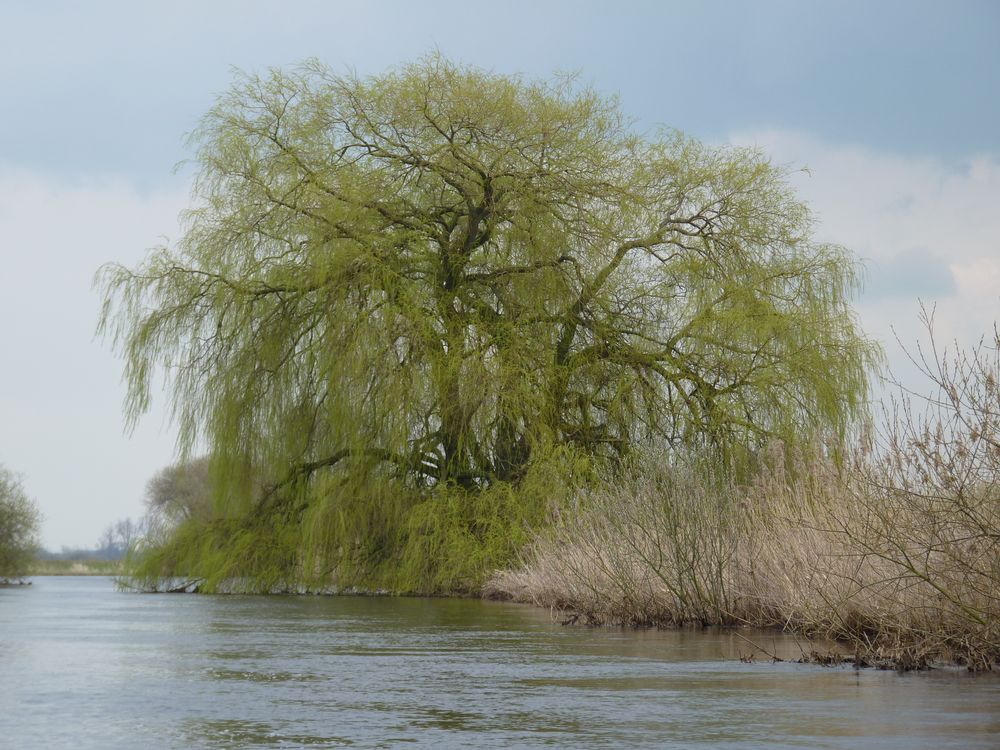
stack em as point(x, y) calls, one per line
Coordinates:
point(926, 229)
point(912, 274)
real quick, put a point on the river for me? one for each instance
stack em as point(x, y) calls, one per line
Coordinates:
point(85, 666)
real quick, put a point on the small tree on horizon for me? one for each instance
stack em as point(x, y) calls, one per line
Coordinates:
point(19, 522)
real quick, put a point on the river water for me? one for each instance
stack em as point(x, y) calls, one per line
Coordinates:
point(85, 666)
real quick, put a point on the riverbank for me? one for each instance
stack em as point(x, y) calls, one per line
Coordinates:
point(78, 567)
point(903, 580)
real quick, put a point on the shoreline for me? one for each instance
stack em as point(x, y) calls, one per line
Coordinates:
point(41, 568)
point(818, 651)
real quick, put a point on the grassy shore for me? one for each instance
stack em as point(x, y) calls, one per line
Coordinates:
point(78, 567)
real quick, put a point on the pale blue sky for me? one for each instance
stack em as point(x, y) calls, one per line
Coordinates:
point(110, 87)
point(894, 106)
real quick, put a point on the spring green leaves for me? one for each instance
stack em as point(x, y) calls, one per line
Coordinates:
point(433, 279)
point(19, 522)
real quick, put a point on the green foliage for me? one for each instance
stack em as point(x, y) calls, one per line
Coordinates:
point(181, 491)
point(376, 536)
point(397, 296)
point(19, 521)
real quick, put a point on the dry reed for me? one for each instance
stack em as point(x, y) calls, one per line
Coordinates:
point(811, 553)
point(894, 552)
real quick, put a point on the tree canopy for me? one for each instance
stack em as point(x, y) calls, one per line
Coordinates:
point(180, 492)
point(19, 521)
point(438, 277)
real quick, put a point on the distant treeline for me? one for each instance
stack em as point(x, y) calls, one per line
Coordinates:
point(113, 554)
point(112, 546)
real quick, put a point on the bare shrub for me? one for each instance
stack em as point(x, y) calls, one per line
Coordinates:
point(931, 503)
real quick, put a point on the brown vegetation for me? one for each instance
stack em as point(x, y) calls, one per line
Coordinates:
point(894, 552)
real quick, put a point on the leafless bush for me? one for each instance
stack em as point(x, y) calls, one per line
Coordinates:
point(931, 502)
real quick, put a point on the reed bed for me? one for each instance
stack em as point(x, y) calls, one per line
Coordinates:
point(899, 578)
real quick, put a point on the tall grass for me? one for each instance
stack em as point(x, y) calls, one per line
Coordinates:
point(812, 553)
point(894, 551)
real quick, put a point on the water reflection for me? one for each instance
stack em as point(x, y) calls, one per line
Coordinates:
point(86, 667)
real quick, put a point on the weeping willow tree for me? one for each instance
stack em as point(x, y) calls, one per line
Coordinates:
point(407, 308)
